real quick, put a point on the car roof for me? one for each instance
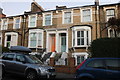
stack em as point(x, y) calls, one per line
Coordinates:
point(104, 58)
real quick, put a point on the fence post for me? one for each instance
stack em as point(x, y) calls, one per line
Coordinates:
point(52, 62)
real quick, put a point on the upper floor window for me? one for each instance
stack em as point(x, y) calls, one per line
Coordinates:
point(16, 23)
point(86, 15)
point(110, 13)
point(4, 24)
point(35, 38)
point(11, 39)
point(67, 17)
point(113, 33)
point(47, 19)
point(81, 36)
point(32, 20)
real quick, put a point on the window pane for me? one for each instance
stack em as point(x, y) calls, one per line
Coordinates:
point(67, 17)
point(110, 13)
point(113, 64)
point(78, 41)
point(86, 15)
point(78, 33)
point(4, 24)
point(8, 37)
point(82, 41)
point(40, 39)
point(48, 19)
point(96, 64)
point(80, 59)
point(20, 58)
point(8, 57)
point(33, 39)
point(32, 20)
point(17, 23)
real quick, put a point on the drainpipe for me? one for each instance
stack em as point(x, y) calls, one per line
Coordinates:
point(96, 16)
point(23, 30)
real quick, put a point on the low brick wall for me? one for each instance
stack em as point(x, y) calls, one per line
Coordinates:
point(70, 68)
point(64, 69)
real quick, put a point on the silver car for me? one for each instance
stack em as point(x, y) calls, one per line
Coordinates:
point(24, 64)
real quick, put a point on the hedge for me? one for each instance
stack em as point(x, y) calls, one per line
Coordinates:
point(4, 49)
point(105, 47)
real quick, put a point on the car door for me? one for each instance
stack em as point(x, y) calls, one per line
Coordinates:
point(113, 69)
point(20, 64)
point(8, 60)
point(97, 69)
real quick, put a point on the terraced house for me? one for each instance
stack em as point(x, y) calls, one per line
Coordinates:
point(65, 31)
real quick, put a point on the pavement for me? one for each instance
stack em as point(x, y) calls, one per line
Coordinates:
point(65, 76)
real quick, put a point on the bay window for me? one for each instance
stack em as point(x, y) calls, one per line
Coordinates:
point(36, 38)
point(81, 36)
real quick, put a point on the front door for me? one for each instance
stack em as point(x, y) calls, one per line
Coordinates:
point(53, 41)
point(63, 42)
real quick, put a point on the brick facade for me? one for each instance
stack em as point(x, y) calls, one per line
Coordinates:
point(96, 28)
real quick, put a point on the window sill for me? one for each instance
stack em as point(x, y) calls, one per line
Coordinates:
point(80, 46)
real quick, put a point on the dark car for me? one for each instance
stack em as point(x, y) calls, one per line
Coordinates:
point(27, 65)
point(99, 69)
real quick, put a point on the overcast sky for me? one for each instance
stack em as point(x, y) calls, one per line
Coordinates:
point(17, 7)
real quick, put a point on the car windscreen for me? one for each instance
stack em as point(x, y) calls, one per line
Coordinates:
point(33, 60)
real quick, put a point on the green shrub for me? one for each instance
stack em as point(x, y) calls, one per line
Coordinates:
point(4, 49)
point(105, 47)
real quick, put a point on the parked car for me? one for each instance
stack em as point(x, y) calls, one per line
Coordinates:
point(26, 65)
point(99, 69)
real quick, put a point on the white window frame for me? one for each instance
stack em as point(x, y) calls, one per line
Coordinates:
point(6, 25)
point(12, 42)
point(74, 36)
point(36, 31)
point(30, 19)
point(14, 27)
point(107, 17)
point(48, 13)
point(85, 54)
point(63, 15)
point(81, 11)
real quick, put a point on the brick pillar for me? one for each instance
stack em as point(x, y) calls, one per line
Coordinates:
point(52, 62)
point(71, 62)
point(71, 65)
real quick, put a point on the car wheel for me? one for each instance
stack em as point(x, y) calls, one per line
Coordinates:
point(31, 75)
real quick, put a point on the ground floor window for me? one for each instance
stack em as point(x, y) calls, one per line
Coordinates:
point(11, 39)
point(35, 38)
point(80, 57)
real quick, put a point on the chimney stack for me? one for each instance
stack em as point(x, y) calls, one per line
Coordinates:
point(97, 2)
point(1, 11)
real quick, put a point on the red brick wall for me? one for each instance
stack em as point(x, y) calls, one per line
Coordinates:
point(70, 68)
